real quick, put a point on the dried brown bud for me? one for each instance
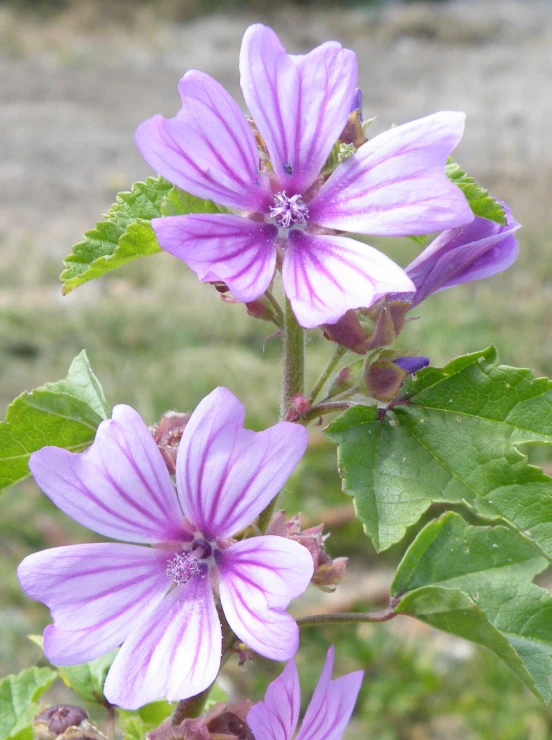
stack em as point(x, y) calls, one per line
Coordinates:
point(327, 572)
point(55, 720)
point(168, 434)
point(348, 332)
point(386, 319)
point(353, 133)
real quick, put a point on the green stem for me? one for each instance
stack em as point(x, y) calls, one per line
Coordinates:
point(322, 408)
point(348, 617)
point(192, 707)
point(326, 372)
point(293, 359)
point(275, 305)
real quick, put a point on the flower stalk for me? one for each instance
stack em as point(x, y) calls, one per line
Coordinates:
point(326, 372)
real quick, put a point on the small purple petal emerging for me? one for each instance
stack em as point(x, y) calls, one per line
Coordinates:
point(258, 578)
point(159, 601)
point(477, 250)
point(233, 250)
point(411, 364)
point(324, 276)
point(395, 184)
point(120, 487)
point(326, 717)
point(300, 104)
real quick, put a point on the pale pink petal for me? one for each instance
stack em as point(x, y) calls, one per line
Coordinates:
point(395, 184)
point(332, 704)
point(324, 276)
point(237, 251)
point(300, 104)
point(226, 475)
point(96, 593)
point(258, 578)
point(120, 487)
point(276, 717)
point(173, 654)
point(208, 148)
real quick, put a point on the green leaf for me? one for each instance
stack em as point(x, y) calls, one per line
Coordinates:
point(216, 695)
point(123, 236)
point(481, 203)
point(451, 438)
point(87, 679)
point(65, 414)
point(475, 582)
point(18, 696)
point(178, 203)
point(150, 715)
point(132, 726)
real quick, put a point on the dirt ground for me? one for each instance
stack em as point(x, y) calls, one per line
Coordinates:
point(73, 90)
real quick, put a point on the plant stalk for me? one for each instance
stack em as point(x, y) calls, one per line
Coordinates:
point(348, 617)
point(326, 372)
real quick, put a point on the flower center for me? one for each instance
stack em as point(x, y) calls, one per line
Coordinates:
point(289, 211)
point(186, 565)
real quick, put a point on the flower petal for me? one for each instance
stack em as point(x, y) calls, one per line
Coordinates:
point(276, 717)
point(208, 148)
point(95, 593)
point(120, 487)
point(173, 654)
point(472, 252)
point(331, 705)
point(300, 104)
point(395, 184)
point(324, 276)
point(258, 578)
point(238, 251)
point(226, 475)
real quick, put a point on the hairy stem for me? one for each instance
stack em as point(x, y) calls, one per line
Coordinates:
point(192, 707)
point(326, 372)
point(275, 305)
point(326, 407)
point(293, 359)
point(348, 617)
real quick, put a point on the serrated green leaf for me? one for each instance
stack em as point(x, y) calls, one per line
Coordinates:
point(479, 199)
point(123, 236)
point(475, 582)
point(87, 679)
point(451, 438)
point(178, 203)
point(65, 414)
point(18, 696)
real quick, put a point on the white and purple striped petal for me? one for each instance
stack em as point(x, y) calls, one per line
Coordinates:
point(324, 276)
point(208, 148)
point(174, 653)
point(331, 705)
point(237, 251)
point(276, 717)
point(258, 577)
point(96, 593)
point(226, 475)
point(300, 104)
point(120, 487)
point(472, 252)
point(395, 184)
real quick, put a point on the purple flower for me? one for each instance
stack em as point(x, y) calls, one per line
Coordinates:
point(411, 364)
point(394, 185)
point(160, 601)
point(471, 252)
point(326, 717)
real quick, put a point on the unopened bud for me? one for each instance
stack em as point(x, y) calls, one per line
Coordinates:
point(346, 378)
point(329, 575)
point(55, 720)
point(259, 310)
point(348, 332)
point(383, 379)
point(167, 434)
point(299, 406)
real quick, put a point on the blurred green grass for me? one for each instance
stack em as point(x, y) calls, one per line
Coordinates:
point(157, 339)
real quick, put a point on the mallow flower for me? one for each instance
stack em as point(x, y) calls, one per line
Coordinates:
point(471, 252)
point(326, 717)
point(160, 601)
point(285, 214)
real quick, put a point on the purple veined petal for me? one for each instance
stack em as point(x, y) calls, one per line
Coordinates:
point(395, 184)
point(300, 104)
point(173, 654)
point(472, 252)
point(238, 251)
point(120, 487)
point(276, 717)
point(208, 148)
point(226, 475)
point(331, 705)
point(258, 578)
point(324, 276)
point(96, 593)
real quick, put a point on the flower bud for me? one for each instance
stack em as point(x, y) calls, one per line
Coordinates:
point(386, 318)
point(168, 434)
point(471, 252)
point(345, 379)
point(411, 365)
point(299, 406)
point(55, 720)
point(383, 378)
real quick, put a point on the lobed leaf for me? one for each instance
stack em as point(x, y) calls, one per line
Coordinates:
point(65, 414)
point(452, 437)
point(18, 697)
point(479, 199)
point(126, 234)
point(475, 582)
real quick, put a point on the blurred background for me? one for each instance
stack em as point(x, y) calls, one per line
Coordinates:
point(77, 77)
